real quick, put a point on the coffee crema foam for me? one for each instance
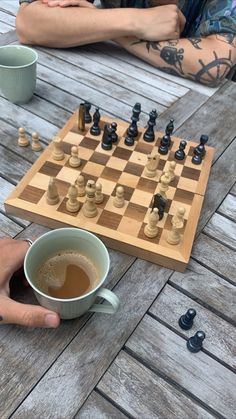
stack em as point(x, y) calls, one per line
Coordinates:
point(53, 274)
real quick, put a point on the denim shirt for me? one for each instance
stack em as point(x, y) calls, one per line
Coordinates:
point(203, 17)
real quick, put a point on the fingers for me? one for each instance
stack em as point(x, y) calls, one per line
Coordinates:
point(26, 315)
point(12, 253)
point(67, 3)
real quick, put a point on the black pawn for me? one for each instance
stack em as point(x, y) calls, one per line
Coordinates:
point(87, 117)
point(134, 119)
point(194, 344)
point(129, 139)
point(95, 129)
point(149, 135)
point(203, 140)
point(170, 127)
point(180, 153)
point(106, 139)
point(186, 321)
point(164, 145)
point(114, 135)
point(197, 154)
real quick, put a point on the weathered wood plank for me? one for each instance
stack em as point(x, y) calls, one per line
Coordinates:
point(97, 345)
point(12, 166)
point(220, 335)
point(100, 84)
point(10, 6)
point(208, 289)
point(222, 229)
point(98, 407)
point(228, 207)
point(220, 259)
point(122, 74)
point(8, 227)
point(5, 189)
point(220, 133)
point(233, 190)
point(222, 177)
point(143, 394)
point(7, 18)
point(196, 373)
point(114, 50)
point(29, 353)
point(8, 38)
point(4, 28)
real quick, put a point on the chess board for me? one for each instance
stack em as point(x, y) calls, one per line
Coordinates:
point(120, 228)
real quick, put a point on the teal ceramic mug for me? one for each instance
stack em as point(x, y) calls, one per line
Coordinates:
point(85, 243)
point(18, 73)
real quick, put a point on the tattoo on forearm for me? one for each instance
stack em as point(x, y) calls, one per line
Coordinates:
point(1, 318)
point(228, 38)
point(207, 73)
point(195, 42)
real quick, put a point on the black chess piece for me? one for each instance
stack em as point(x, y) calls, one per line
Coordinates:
point(95, 128)
point(129, 139)
point(149, 134)
point(114, 136)
point(198, 154)
point(186, 321)
point(170, 127)
point(159, 202)
point(164, 145)
point(106, 139)
point(180, 153)
point(87, 117)
point(194, 344)
point(203, 140)
point(134, 120)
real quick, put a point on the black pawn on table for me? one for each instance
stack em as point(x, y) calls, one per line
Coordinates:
point(159, 202)
point(135, 118)
point(114, 135)
point(106, 138)
point(87, 116)
point(194, 344)
point(170, 127)
point(149, 134)
point(186, 321)
point(164, 145)
point(180, 153)
point(95, 128)
point(198, 153)
point(129, 139)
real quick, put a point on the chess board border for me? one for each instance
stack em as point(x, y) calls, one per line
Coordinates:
point(173, 257)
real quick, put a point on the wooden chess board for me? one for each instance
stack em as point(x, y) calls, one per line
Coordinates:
point(120, 228)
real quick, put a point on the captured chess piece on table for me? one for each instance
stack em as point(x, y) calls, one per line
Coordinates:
point(35, 145)
point(186, 320)
point(23, 140)
point(194, 344)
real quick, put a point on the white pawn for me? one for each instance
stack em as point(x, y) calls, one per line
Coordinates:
point(52, 196)
point(23, 141)
point(98, 194)
point(80, 185)
point(89, 208)
point(151, 229)
point(178, 218)
point(119, 200)
point(35, 145)
point(58, 153)
point(73, 205)
point(74, 160)
point(174, 236)
point(164, 185)
point(171, 170)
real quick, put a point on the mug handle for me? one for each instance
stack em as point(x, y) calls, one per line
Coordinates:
point(106, 308)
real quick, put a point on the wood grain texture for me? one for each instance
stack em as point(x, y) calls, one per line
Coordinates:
point(7, 18)
point(196, 373)
point(29, 353)
point(8, 227)
point(94, 348)
point(5, 189)
point(228, 207)
point(5, 28)
point(141, 393)
point(220, 335)
point(12, 166)
point(98, 407)
point(233, 190)
point(10, 6)
point(219, 258)
point(8, 38)
point(222, 229)
point(208, 289)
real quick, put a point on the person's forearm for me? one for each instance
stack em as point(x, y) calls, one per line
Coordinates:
point(39, 24)
point(205, 60)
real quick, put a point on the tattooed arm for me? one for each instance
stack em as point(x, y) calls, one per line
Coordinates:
point(206, 60)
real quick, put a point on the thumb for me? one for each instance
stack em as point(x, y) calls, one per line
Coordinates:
point(27, 315)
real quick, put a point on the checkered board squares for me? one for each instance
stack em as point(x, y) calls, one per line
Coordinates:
point(120, 228)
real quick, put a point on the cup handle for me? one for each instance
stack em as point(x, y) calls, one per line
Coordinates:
point(109, 296)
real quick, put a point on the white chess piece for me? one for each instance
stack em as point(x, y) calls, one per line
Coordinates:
point(99, 197)
point(151, 229)
point(73, 205)
point(171, 170)
point(35, 145)
point(52, 196)
point(74, 160)
point(89, 208)
point(119, 200)
point(174, 236)
point(152, 164)
point(80, 185)
point(23, 141)
point(58, 153)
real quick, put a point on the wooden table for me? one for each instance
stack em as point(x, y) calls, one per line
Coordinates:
point(134, 364)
